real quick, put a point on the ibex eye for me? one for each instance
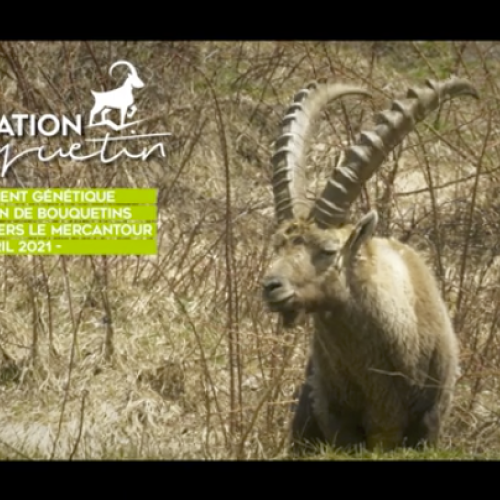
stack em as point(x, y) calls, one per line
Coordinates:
point(328, 252)
point(329, 249)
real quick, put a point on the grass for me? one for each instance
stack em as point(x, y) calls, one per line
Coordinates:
point(174, 356)
point(408, 455)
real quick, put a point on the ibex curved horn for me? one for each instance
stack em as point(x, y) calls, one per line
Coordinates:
point(125, 63)
point(289, 186)
point(364, 157)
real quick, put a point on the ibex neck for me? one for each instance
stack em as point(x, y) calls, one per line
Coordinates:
point(348, 320)
point(350, 310)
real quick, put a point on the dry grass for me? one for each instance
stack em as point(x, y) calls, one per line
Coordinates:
point(175, 356)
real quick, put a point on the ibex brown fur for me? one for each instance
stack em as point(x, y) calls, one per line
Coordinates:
point(384, 354)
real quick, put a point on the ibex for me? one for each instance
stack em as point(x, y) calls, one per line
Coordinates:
point(384, 357)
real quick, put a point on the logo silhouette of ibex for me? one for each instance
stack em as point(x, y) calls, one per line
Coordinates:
point(120, 98)
point(384, 358)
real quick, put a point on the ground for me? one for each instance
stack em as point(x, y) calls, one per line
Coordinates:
point(175, 355)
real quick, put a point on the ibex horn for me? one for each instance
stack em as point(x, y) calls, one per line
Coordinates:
point(289, 186)
point(362, 159)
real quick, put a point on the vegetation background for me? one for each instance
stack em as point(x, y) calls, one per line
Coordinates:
point(174, 356)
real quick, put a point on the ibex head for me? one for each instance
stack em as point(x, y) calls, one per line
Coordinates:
point(133, 77)
point(314, 247)
point(309, 270)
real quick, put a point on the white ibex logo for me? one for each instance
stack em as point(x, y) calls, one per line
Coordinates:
point(120, 98)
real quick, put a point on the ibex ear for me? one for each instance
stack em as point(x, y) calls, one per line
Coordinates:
point(363, 231)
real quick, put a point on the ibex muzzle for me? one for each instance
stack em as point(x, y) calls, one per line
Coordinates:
point(277, 290)
point(279, 295)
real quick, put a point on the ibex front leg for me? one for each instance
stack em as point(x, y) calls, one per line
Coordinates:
point(341, 426)
point(305, 431)
point(384, 439)
point(386, 425)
